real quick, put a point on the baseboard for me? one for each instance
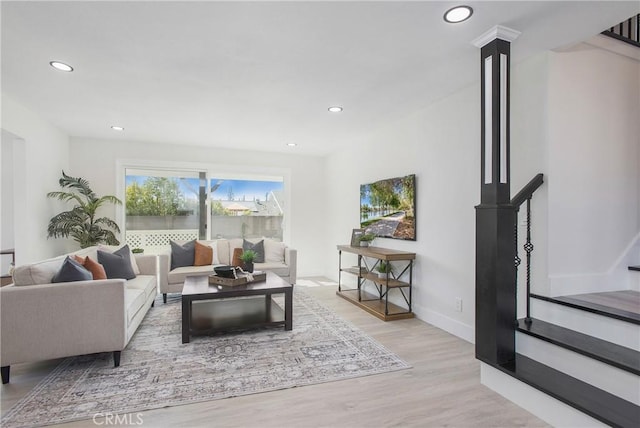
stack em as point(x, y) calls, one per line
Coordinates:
point(450, 325)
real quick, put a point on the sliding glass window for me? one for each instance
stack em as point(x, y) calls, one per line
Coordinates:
point(164, 205)
point(245, 206)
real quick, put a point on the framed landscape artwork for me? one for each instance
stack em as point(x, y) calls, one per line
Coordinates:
point(388, 208)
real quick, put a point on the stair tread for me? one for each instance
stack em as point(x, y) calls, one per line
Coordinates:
point(634, 268)
point(595, 308)
point(610, 353)
point(587, 398)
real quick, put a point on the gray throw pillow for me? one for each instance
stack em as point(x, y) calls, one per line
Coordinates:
point(71, 271)
point(258, 247)
point(182, 255)
point(117, 264)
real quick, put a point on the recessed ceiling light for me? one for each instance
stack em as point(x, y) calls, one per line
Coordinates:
point(61, 66)
point(335, 109)
point(291, 144)
point(117, 128)
point(458, 14)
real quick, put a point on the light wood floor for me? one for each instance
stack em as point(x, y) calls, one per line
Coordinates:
point(442, 389)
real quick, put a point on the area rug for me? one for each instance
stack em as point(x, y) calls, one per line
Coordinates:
point(157, 370)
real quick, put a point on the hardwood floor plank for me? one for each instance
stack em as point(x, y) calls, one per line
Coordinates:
point(441, 389)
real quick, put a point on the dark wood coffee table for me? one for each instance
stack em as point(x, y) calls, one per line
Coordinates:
point(204, 313)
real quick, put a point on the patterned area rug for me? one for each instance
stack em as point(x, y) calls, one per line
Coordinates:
point(157, 370)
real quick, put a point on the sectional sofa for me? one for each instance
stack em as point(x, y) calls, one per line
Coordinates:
point(43, 320)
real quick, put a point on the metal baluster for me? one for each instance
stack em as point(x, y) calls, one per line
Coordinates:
point(517, 260)
point(528, 248)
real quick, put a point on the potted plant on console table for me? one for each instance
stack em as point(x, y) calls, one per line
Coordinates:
point(383, 269)
point(366, 239)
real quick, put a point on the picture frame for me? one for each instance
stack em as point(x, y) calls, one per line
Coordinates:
point(356, 234)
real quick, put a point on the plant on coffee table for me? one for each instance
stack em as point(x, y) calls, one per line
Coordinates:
point(247, 257)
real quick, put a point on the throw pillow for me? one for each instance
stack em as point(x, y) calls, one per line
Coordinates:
point(216, 258)
point(96, 269)
point(273, 251)
point(71, 271)
point(235, 260)
point(113, 248)
point(257, 247)
point(203, 255)
point(117, 264)
point(182, 255)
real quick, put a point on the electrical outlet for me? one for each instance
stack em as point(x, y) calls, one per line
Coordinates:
point(458, 304)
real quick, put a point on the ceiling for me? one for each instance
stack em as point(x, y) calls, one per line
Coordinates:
point(259, 75)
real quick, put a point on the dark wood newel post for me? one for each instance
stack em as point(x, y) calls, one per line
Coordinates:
point(495, 216)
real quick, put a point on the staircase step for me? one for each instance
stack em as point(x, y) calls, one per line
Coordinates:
point(601, 350)
point(634, 268)
point(622, 315)
point(599, 404)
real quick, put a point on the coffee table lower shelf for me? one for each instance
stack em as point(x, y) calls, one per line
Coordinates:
point(375, 306)
point(215, 316)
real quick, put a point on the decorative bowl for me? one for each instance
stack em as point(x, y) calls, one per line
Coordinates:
point(225, 271)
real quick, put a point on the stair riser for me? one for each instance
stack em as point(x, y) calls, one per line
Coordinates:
point(609, 329)
point(601, 375)
point(547, 408)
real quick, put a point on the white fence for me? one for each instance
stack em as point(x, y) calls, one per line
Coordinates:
point(158, 238)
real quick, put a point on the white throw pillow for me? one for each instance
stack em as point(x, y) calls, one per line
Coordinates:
point(216, 259)
point(273, 251)
point(113, 248)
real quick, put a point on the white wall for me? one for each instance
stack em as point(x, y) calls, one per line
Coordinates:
point(96, 161)
point(6, 198)
point(40, 153)
point(594, 145)
point(441, 145)
point(529, 156)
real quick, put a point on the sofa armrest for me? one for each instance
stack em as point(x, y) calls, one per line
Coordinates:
point(291, 260)
point(163, 269)
point(148, 264)
point(58, 320)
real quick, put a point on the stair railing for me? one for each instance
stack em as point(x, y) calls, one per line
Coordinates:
point(627, 31)
point(520, 198)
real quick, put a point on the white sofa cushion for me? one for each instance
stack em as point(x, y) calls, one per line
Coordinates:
point(142, 282)
point(279, 269)
point(133, 301)
point(37, 273)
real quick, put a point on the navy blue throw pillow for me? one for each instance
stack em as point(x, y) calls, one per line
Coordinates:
point(117, 264)
point(71, 271)
point(182, 255)
point(257, 247)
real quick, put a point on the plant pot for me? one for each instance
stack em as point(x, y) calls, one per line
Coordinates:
point(364, 243)
point(382, 275)
point(247, 266)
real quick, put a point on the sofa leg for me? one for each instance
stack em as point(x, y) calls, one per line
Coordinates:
point(116, 358)
point(153, 303)
point(5, 374)
point(164, 297)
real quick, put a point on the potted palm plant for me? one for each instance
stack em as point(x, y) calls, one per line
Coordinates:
point(247, 257)
point(81, 222)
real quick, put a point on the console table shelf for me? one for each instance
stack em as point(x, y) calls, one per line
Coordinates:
point(379, 304)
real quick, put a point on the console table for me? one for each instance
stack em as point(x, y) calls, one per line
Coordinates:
point(378, 304)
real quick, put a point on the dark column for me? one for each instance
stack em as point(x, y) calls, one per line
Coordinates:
point(495, 216)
